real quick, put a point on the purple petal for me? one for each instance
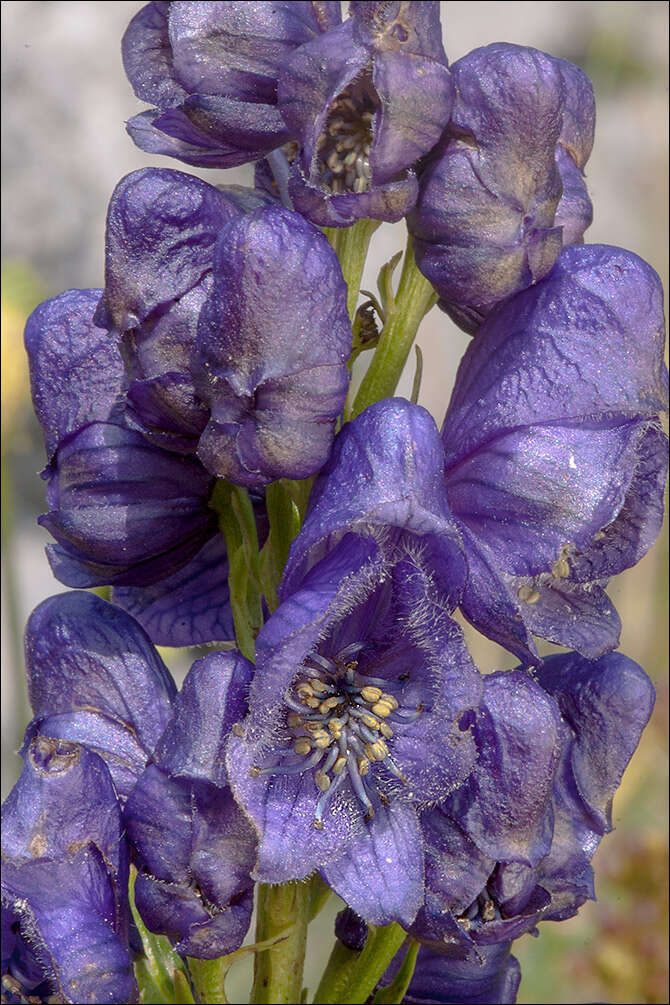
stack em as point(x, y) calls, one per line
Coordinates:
point(65, 910)
point(384, 470)
point(147, 56)
point(549, 340)
point(529, 493)
point(607, 704)
point(190, 607)
point(272, 362)
point(91, 663)
point(161, 230)
point(212, 699)
point(489, 975)
point(63, 800)
point(76, 371)
point(123, 510)
point(504, 806)
point(381, 874)
point(570, 614)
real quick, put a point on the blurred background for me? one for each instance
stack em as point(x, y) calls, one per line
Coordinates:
point(65, 101)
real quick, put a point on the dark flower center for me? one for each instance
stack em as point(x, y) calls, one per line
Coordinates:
point(484, 908)
point(339, 723)
point(343, 149)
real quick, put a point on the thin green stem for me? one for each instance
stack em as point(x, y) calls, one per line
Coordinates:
point(351, 978)
point(414, 299)
point(282, 910)
point(394, 992)
point(208, 979)
point(351, 246)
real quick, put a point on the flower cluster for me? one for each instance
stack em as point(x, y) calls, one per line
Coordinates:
point(206, 463)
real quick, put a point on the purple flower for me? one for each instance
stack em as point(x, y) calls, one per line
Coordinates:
point(555, 461)
point(123, 511)
point(94, 677)
point(64, 881)
point(211, 69)
point(505, 190)
point(236, 339)
point(453, 976)
point(194, 848)
point(358, 717)
point(364, 102)
point(493, 871)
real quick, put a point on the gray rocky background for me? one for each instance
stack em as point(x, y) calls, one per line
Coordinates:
point(65, 100)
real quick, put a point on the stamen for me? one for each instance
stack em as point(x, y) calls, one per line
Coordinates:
point(343, 149)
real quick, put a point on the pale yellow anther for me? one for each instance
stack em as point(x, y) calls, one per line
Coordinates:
point(319, 686)
point(238, 729)
point(302, 745)
point(381, 708)
point(377, 751)
point(335, 726)
point(322, 781)
point(293, 720)
point(363, 766)
point(304, 690)
point(528, 594)
point(254, 772)
point(339, 766)
point(561, 568)
point(385, 730)
point(329, 703)
point(390, 700)
point(322, 740)
point(371, 694)
point(313, 727)
point(370, 721)
point(311, 702)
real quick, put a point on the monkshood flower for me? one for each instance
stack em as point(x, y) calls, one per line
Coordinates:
point(359, 716)
point(211, 69)
point(237, 336)
point(64, 881)
point(122, 510)
point(505, 189)
point(454, 977)
point(555, 461)
point(94, 677)
point(364, 101)
point(491, 875)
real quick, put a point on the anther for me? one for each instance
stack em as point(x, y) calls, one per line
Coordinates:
point(322, 740)
point(254, 772)
point(371, 694)
point(381, 708)
point(561, 568)
point(339, 765)
point(390, 700)
point(528, 594)
point(322, 781)
point(318, 686)
point(238, 729)
point(302, 745)
point(293, 720)
point(385, 730)
point(363, 766)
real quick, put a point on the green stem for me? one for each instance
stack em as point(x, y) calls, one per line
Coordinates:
point(394, 992)
point(350, 978)
point(281, 910)
point(414, 299)
point(351, 246)
point(208, 979)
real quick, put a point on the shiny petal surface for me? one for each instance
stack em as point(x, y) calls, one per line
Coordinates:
point(381, 876)
point(384, 471)
point(76, 371)
point(188, 608)
point(90, 663)
point(272, 345)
